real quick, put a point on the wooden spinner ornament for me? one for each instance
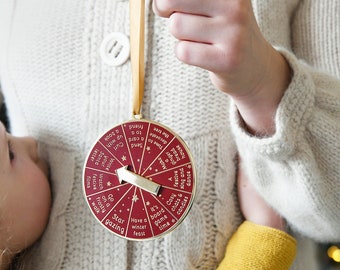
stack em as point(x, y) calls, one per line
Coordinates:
point(139, 177)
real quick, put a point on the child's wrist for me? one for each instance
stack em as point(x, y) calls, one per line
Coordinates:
point(271, 219)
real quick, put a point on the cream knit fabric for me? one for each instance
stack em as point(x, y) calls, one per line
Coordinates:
point(59, 90)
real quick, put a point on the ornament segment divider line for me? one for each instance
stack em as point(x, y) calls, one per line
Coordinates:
point(152, 162)
point(147, 212)
point(117, 203)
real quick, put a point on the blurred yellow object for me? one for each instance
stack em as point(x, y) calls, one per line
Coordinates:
point(334, 253)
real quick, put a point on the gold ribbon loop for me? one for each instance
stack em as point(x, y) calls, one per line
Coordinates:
point(137, 18)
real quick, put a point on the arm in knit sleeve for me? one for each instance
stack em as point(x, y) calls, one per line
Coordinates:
point(297, 169)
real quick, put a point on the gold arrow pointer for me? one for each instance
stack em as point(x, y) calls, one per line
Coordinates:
point(125, 175)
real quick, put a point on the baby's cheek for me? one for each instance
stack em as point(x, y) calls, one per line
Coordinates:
point(40, 194)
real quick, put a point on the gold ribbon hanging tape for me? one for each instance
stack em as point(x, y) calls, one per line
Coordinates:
point(137, 21)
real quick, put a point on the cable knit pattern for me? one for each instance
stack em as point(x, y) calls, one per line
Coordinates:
point(59, 90)
point(305, 147)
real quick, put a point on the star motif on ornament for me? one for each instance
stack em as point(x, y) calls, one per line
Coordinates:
point(123, 158)
point(148, 148)
point(135, 198)
point(147, 203)
point(108, 184)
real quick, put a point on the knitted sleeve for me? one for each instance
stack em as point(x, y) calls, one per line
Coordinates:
point(254, 247)
point(297, 169)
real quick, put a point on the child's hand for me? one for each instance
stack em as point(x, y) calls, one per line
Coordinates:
point(254, 207)
point(222, 36)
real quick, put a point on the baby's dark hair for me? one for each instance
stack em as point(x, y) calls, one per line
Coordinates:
point(16, 262)
point(3, 113)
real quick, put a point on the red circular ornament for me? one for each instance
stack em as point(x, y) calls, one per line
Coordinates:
point(139, 180)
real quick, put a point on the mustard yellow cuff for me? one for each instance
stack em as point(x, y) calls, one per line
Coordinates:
point(255, 246)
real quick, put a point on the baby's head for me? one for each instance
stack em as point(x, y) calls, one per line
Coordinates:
point(25, 195)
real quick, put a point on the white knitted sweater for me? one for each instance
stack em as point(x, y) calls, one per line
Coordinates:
point(59, 90)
